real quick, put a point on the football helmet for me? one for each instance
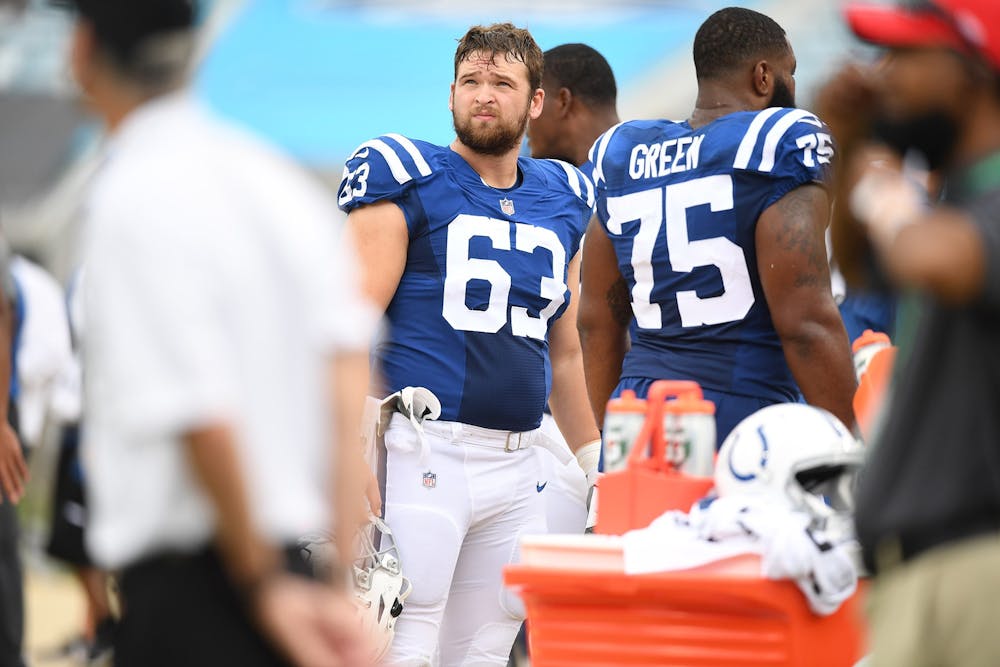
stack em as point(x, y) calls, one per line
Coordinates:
point(799, 456)
point(379, 587)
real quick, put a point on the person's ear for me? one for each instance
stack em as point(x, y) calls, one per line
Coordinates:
point(762, 78)
point(564, 101)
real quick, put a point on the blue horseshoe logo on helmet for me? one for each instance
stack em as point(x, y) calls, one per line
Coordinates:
point(747, 477)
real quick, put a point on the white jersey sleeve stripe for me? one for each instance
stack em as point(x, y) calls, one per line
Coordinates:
point(410, 147)
point(745, 151)
point(599, 162)
point(571, 176)
point(778, 131)
point(391, 159)
point(590, 189)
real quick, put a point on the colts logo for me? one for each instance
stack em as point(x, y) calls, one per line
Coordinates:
point(430, 480)
point(761, 467)
point(507, 206)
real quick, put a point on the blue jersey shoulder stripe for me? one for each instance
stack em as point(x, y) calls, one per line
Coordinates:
point(399, 172)
point(601, 147)
point(590, 188)
point(423, 168)
point(578, 183)
point(778, 131)
point(745, 151)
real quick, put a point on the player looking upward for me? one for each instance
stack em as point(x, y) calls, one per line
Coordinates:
point(472, 251)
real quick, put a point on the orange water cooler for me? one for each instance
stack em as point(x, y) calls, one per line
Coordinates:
point(584, 611)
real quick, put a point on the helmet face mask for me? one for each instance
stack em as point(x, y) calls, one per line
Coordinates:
point(796, 456)
point(379, 587)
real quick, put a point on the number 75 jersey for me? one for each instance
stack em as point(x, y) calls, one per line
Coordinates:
point(484, 280)
point(680, 207)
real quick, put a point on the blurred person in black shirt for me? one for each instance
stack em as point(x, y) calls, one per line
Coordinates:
point(928, 508)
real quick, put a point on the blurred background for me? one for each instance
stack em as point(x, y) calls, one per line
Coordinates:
point(318, 77)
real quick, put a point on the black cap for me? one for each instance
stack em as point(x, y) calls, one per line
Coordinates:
point(122, 25)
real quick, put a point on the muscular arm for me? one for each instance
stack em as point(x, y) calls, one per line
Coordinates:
point(605, 313)
point(381, 240)
point(795, 275)
point(568, 399)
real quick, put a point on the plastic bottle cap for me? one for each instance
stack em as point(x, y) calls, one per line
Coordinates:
point(627, 402)
point(870, 337)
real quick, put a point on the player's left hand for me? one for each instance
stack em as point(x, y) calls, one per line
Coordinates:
point(13, 467)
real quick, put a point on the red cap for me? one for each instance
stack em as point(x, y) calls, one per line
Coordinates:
point(969, 26)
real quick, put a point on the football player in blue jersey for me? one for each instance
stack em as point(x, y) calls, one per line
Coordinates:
point(580, 104)
point(709, 240)
point(473, 253)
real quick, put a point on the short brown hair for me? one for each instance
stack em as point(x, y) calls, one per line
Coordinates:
point(516, 44)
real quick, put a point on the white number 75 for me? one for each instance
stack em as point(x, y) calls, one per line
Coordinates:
point(651, 208)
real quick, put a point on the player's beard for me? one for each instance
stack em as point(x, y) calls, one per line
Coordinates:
point(496, 138)
point(782, 96)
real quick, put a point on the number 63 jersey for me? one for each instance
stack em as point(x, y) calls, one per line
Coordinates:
point(485, 276)
point(680, 207)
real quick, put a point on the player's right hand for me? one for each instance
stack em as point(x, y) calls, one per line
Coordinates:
point(311, 624)
point(13, 468)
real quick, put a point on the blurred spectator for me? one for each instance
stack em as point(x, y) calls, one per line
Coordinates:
point(13, 473)
point(224, 367)
point(50, 367)
point(928, 508)
point(43, 349)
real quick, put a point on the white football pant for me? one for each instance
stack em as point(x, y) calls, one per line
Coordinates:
point(457, 518)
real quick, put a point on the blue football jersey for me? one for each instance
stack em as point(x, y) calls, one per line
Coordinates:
point(485, 275)
point(680, 206)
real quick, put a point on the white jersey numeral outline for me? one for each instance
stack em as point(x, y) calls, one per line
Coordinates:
point(670, 204)
point(460, 269)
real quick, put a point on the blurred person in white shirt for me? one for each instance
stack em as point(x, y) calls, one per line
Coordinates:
point(224, 365)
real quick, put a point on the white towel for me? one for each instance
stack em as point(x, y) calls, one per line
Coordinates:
point(731, 526)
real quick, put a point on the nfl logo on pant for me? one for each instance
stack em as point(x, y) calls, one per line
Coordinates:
point(430, 480)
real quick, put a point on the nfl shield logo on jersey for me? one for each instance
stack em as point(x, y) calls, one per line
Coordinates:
point(430, 480)
point(507, 206)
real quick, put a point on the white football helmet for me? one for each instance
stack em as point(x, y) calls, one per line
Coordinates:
point(377, 577)
point(797, 455)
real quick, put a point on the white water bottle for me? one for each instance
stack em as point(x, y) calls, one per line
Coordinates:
point(623, 422)
point(866, 346)
point(689, 435)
